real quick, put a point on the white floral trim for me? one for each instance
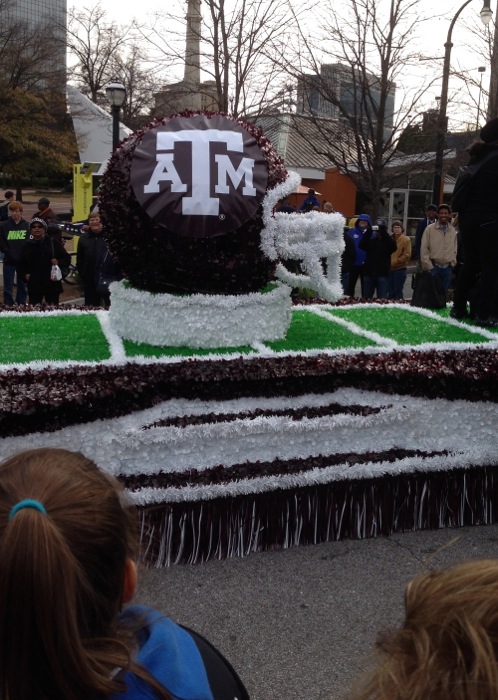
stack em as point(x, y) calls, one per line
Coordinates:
point(121, 445)
point(199, 320)
point(308, 238)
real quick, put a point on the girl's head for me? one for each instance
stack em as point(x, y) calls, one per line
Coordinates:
point(447, 648)
point(67, 568)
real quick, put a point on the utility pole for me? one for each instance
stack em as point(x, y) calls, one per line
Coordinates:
point(493, 80)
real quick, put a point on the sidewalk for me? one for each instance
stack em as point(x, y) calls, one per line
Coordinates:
point(299, 624)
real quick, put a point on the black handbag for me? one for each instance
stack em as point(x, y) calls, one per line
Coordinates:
point(103, 279)
point(103, 283)
point(428, 292)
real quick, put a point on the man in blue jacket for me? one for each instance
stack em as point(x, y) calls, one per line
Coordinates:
point(362, 225)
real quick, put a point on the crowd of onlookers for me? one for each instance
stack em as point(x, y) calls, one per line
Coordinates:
point(374, 256)
point(31, 249)
point(457, 244)
point(458, 248)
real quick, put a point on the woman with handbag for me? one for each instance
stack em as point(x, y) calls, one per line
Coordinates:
point(38, 257)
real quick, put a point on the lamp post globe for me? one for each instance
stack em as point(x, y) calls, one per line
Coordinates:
point(116, 94)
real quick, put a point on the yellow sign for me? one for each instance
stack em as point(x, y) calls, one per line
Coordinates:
point(83, 189)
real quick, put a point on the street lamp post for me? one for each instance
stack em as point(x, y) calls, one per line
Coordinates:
point(116, 94)
point(481, 69)
point(486, 14)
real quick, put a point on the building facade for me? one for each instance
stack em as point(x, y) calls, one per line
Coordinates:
point(338, 89)
point(50, 18)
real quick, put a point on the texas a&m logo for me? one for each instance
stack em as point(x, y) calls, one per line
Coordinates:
point(199, 176)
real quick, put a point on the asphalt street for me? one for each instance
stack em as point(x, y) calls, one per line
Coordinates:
point(299, 624)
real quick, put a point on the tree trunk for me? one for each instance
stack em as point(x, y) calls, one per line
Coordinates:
point(18, 185)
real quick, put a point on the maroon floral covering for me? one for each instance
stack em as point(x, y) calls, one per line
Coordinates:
point(156, 259)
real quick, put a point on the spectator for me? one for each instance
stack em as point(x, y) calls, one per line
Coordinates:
point(285, 207)
point(13, 235)
point(446, 648)
point(4, 207)
point(429, 218)
point(310, 202)
point(45, 212)
point(438, 250)
point(361, 226)
point(68, 546)
point(399, 260)
point(478, 228)
point(37, 257)
point(348, 258)
point(379, 247)
point(107, 271)
point(90, 253)
point(328, 208)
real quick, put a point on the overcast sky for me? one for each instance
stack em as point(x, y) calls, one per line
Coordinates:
point(432, 33)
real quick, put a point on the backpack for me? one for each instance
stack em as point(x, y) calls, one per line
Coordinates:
point(4, 211)
point(428, 292)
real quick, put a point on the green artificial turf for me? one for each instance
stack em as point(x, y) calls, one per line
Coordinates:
point(311, 332)
point(405, 327)
point(136, 349)
point(80, 338)
point(28, 338)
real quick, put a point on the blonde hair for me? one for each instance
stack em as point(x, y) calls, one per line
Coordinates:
point(62, 578)
point(447, 648)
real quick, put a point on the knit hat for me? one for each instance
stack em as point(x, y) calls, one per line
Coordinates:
point(489, 131)
point(36, 220)
point(430, 207)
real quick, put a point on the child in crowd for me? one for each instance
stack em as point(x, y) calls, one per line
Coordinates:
point(447, 647)
point(68, 546)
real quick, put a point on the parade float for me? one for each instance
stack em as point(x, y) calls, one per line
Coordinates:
point(236, 419)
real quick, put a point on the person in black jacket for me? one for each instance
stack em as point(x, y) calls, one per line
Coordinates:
point(379, 246)
point(91, 250)
point(478, 226)
point(14, 232)
point(37, 257)
point(4, 207)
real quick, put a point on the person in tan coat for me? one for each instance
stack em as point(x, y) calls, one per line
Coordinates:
point(399, 260)
point(438, 251)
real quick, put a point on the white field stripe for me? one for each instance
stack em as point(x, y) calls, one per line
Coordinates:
point(116, 347)
point(353, 327)
point(261, 348)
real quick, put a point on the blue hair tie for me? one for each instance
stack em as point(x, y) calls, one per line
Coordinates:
point(27, 503)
